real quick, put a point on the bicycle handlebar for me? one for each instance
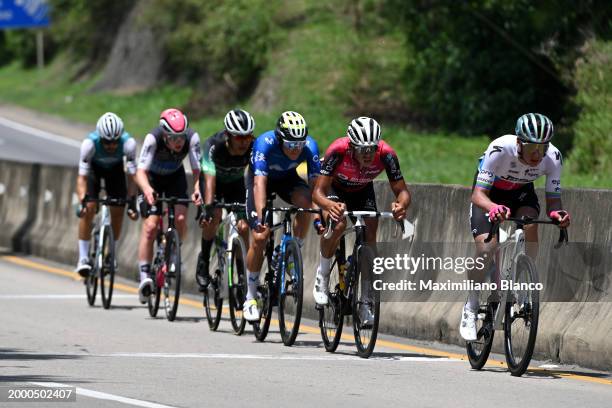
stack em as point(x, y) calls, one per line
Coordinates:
point(522, 221)
point(366, 214)
point(205, 210)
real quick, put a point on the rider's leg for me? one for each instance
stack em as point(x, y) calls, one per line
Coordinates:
point(85, 223)
point(208, 234)
point(531, 230)
point(301, 197)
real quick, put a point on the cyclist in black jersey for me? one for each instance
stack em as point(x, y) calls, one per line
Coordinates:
point(224, 158)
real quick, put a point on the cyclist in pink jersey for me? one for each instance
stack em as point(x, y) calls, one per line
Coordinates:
point(346, 183)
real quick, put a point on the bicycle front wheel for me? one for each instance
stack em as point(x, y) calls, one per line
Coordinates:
point(106, 267)
point(521, 317)
point(172, 281)
point(366, 303)
point(292, 294)
point(237, 285)
point(91, 280)
point(478, 351)
point(331, 318)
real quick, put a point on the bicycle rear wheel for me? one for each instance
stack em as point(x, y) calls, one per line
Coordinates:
point(265, 302)
point(172, 282)
point(331, 318)
point(154, 298)
point(365, 297)
point(237, 285)
point(106, 266)
point(521, 317)
point(290, 302)
point(478, 351)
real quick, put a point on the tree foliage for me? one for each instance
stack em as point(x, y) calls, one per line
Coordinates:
point(479, 64)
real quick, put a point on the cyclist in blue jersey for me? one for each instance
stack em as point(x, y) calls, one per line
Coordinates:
point(272, 169)
point(102, 154)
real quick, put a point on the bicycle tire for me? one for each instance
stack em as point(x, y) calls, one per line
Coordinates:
point(267, 292)
point(290, 302)
point(519, 353)
point(478, 351)
point(237, 285)
point(106, 267)
point(331, 318)
point(91, 280)
point(365, 336)
point(155, 297)
point(213, 309)
point(172, 281)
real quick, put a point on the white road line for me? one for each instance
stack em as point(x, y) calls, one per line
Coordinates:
point(16, 297)
point(39, 133)
point(104, 396)
point(226, 356)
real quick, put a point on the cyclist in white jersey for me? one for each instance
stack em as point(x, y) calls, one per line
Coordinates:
point(503, 187)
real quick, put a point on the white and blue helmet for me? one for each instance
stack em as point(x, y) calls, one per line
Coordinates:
point(534, 128)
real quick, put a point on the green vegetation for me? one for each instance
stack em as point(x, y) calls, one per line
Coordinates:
point(332, 62)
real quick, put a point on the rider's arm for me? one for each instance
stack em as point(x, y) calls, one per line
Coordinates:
point(394, 174)
point(86, 155)
point(194, 160)
point(209, 170)
point(480, 198)
point(129, 150)
point(147, 153)
point(485, 177)
point(321, 189)
point(554, 164)
point(402, 195)
point(259, 193)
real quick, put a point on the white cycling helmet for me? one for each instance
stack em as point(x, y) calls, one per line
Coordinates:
point(109, 126)
point(239, 122)
point(364, 131)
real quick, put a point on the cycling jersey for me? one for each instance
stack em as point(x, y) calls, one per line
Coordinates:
point(501, 168)
point(341, 164)
point(157, 158)
point(217, 160)
point(94, 155)
point(269, 160)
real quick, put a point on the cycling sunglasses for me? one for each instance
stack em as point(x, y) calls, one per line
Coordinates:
point(176, 137)
point(295, 145)
point(530, 148)
point(365, 149)
point(110, 142)
point(240, 137)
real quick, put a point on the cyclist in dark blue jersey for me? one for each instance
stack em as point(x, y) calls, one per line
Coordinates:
point(272, 169)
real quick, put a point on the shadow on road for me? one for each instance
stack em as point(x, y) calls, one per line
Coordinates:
point(22, 355)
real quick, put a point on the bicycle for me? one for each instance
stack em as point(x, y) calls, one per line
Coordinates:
point(227, 258)
point(102, 253)
point(352, 292)
point(283, 283)
point(519, 321)
point(166, 267)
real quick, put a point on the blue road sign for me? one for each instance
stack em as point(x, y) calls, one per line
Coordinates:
point(23, 13)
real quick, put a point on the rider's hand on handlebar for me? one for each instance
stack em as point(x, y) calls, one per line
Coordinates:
point(318, 226)
point(499, 213)
point(197, 198)
point(132, 212)
point(562, 216)
point(150, 196)
point(399, 212)
point(336, 211)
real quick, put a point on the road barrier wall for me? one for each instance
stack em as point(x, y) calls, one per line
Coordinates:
point(37, 216)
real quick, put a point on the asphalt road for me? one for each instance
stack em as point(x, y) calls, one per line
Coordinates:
point(19, 142)
point(122, 357)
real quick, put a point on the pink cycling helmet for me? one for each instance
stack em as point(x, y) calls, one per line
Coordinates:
point(173, 122)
